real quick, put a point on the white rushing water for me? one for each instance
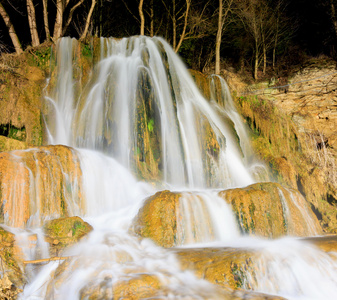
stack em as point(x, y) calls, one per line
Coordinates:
point(102, 122)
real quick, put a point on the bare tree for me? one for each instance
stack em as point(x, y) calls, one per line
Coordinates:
point(227, 5)
point(61, 7)
point(256, 17)
point(87, 23)
point(45, 19)
point(178, 13)
point(70, 16)
point(32, 23)
point(151, 19)
point(183, 34)
point(282, 27)
point(11, 30)
point(58, 20)
point(141, 15)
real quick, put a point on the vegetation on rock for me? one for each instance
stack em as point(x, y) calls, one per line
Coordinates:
point(64, 232)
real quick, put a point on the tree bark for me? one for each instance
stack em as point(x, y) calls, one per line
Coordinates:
point(87, 23)
point(32, 23)
point(218, 39)
point(45, 19)
point(11, 30)
point(174, 24)
point(141, 15)
point(152, 19)
point(59, 20)
point(221, 21)
point(256, 64)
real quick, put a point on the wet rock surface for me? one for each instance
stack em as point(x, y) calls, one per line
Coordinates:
point(64, 232)
point(270, 210)
point(32, 184)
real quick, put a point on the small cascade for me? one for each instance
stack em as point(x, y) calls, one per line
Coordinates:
point(204, 217)
point(222, 100)
point(61, 101)
point(293, 270)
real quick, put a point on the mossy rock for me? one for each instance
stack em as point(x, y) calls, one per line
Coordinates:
point(11, 259)
point(63, 232)
point(137, 286)
point(226, 267)
point(270, 210)
point(157, 219)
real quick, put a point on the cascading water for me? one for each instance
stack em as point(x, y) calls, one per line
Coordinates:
point(140, 125)
point(141, 99)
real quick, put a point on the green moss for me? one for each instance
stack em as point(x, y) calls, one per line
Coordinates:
point(40, 57)
point(87, 50)
point(78, 226)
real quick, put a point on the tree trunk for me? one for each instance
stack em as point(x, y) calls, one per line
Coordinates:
point(11, 30)
point(264, 49)
point(142, 19)
point(32, 23)
point(333, 16)
point(218, 39)
point(264, 59)
point(174, 24)
point(152, 19)
point(59, 20)
point(45, 19)
point(256, 64)
point(182, 36)
point(87, 23)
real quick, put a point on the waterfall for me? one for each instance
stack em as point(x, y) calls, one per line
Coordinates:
point(141, 105)
point(133, 129)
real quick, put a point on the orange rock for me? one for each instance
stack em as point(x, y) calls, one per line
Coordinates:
point(270, 210)
point(38, 183)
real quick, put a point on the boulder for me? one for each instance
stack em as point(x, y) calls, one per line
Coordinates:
point(12, 276)
point(63, 232)
point(157, 218)
point(270, 210)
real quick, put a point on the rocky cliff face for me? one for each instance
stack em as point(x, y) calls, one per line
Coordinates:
point(293, 124)
point(22, 79)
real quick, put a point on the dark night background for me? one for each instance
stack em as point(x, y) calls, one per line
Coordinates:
point(309, 28)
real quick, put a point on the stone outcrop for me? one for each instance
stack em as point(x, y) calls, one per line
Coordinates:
point(226, 267)
point(22, 79)
point(157, 218)
point(12, 277)
point(64, 232)
point(270, 210)
point(38, 183)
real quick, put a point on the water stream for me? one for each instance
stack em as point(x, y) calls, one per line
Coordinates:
point(140, 125)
